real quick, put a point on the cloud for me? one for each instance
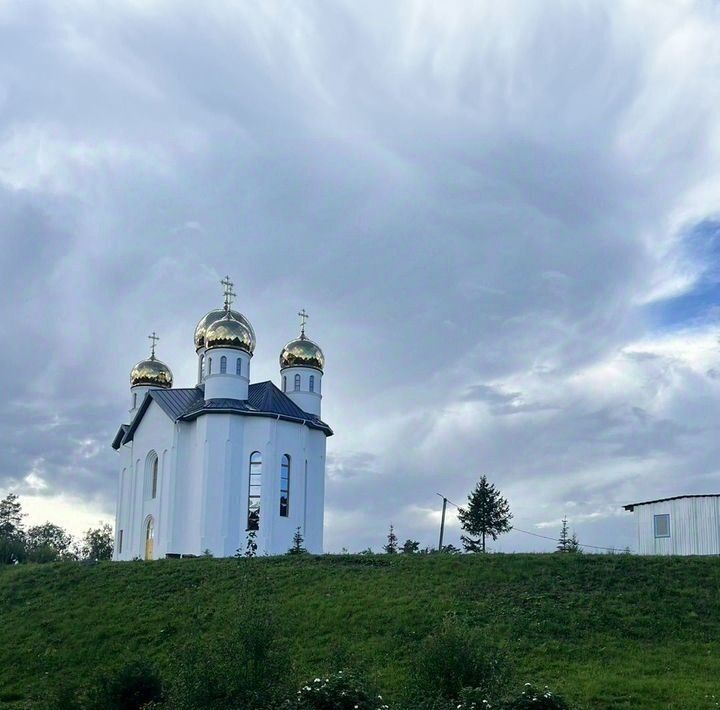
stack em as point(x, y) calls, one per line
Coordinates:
point(488, 210)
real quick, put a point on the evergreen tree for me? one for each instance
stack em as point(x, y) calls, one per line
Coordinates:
point(487, 515)
point(564, 539)
point(11, 516)
point(573, 544)
point(297, 546)
point(251, 546)
point(98, 543)
point(392, 542)
point(410, 547)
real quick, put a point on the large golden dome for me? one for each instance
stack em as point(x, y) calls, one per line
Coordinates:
point(215, 315)
point(302, 352)
point(151, 372)
point(229, 332)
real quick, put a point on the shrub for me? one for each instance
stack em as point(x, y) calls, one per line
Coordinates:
point(241, 667)
point(533, 699)
point(136, 685)
point(341, 691)
point(454, 657)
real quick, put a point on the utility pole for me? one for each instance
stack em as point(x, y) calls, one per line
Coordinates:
point(442, 522)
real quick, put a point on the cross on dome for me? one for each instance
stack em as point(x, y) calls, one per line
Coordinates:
point(154, 338)
point(303, 317)
point(228, 292)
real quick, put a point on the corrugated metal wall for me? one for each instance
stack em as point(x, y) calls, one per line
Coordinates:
point(694, 527)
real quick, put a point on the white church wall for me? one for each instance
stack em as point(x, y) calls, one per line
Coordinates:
point(694, 526)
point(155, 433)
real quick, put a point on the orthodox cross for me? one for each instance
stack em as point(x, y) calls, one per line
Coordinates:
point(303, 317)
point(154, 339)
point(229, 295)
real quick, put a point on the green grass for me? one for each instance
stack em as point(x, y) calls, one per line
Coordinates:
point(604, 631)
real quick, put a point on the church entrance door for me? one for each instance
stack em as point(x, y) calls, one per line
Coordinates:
point(149, 538)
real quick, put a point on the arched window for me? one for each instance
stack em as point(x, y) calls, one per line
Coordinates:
point(312, 383)
point(223, 365)
point(297, 382)
point(238, 366)
point(209, 366)
point(149, 538)
point(154, 482)
point(284, 383)
point(284, 486)
point(150, 484)
point(254, 490)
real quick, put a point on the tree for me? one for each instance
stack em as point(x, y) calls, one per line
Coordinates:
point(450, 550)
point(49, 542)
point(410, 547)
point(573, 544)
point(392, 542)
point(487, 515)
point(98, 543)
point(564, 539)
point(11, 516)
point(297, 544)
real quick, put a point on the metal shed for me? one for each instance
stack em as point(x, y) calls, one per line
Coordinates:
point(679, 525)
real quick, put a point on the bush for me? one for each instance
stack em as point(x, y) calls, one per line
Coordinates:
point(533, 699)
point(341, 691)
point(456, 657)
point(135, 686)
point(242, 667)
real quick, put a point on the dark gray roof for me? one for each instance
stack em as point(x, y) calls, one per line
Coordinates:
point(631, 506)
point(264, 400)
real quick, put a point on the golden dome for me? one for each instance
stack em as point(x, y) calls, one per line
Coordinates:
point(215, 315)
point(302, 352)
point(151, 372)
point(229, 332)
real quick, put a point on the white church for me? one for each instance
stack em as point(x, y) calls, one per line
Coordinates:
point(205, 467)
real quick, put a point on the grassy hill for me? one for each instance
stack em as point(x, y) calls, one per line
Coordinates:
point(605, 631)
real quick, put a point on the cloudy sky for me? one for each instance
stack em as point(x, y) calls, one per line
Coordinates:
point(503, 218)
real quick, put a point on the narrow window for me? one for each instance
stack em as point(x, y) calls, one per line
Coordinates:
point(120, 535)
point(223, 365)
point(284, 486)
point(154, 477)
point(297, 382)
point(202, 367)
point(254, 489)
point(134, 400)
point(284, 383)
point(209, 366)
point(661, 523)
point(312, 383)
point(238, 366)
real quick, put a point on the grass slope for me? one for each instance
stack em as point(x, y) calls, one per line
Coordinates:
point(605, 631)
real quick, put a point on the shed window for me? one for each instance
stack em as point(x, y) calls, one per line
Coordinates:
point(284, 486)
point(297, 382)
point(238, 366)
point(661, 524)
point(223, 365)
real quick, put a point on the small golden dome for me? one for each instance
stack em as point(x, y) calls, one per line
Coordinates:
point(302, 352)
point(151, 372)
point(215, 315)
point(229, 332)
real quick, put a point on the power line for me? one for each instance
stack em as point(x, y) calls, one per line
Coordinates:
point(545, 537)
